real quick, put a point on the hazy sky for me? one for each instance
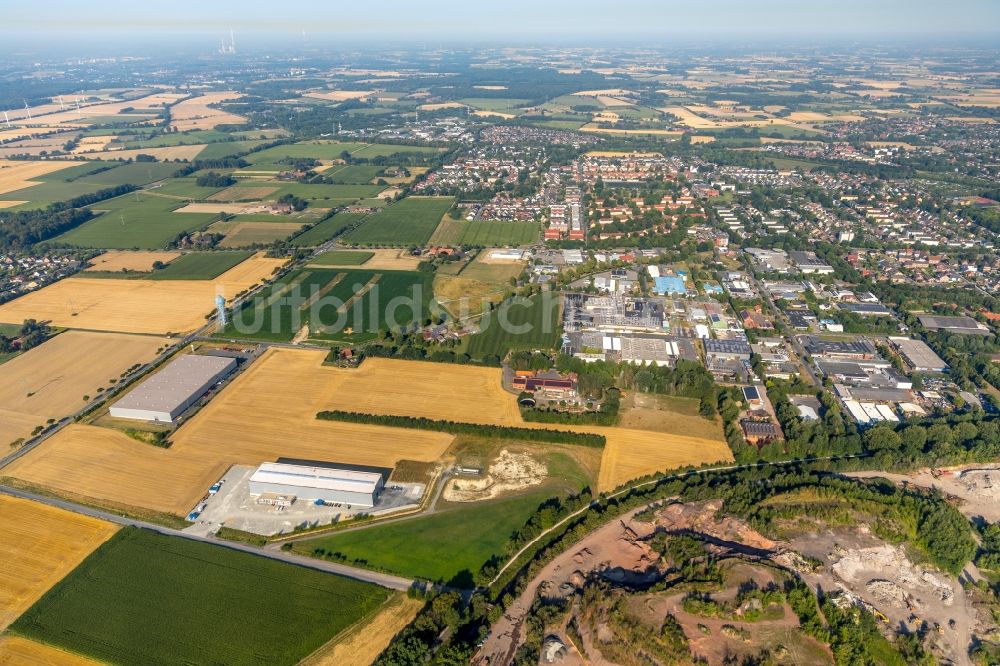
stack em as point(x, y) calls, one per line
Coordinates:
point(511, 20)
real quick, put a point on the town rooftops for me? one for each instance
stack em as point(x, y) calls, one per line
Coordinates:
point(733, 348)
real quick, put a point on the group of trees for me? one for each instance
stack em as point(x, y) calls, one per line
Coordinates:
point(687, 379)
point(297, 203)
point(215, 179)
point(31, 334)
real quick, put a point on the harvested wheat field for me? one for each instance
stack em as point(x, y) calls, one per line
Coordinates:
point(631, 454)
point(41, 545)
point(124, 260)
point(11, 204)
point(392, 260)
point(17, 651)
point(214, 208)
point(340, 95)
point(247, 234)
point(364, 642)
point(494, 114)
point(135, 306)
point(162, 153)
point(195, 112)
point(441, 105)
point(89, 144)
point(415, 388)
point(50, 380)
point(268, 412)
point(594, 128)
point(18, 175)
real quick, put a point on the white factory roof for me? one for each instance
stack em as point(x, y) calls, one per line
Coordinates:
point(176, 383)
point(507, 254)
point(323, 478)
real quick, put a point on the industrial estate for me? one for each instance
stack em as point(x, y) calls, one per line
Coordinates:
point(500, 356)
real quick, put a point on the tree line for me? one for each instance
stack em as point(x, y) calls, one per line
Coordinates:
point(461, 428)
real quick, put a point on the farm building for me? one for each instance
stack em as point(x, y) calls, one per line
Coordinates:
point(330, 484)
point(759, 433)
point(551, 382)
point(164, 396)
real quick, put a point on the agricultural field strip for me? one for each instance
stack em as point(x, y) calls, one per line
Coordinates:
point(41, 544)
point(135, 306)
point(18, 651)
point(144, 583)
point(50, 381)
point(20, 175)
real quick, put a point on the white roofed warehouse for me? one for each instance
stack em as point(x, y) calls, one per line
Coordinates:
point(165, 395)
point(330, 484)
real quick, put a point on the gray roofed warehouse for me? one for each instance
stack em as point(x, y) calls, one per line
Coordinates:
point(165, 395)
point(330, 484)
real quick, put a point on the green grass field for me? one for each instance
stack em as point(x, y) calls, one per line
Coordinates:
point(136, 173)
point(200, 265)
point(75, 172)
point(137, 220)
point(144, 598)
point(398, 299)
point(215, 151)
point(315, 296)
point(447, 546)
point(280, 312)
point(180, 139)
point(186, 188)
point(325, 230)
point(411, 221)
point(356, 174)
point(319, 193)
point(322, 150)
point(342, 258)
point(485, 234)
point(540, 317)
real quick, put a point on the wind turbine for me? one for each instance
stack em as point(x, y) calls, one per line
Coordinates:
point(62, 106)
point(78, 105)
point(27, 108)
point(6, 119)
